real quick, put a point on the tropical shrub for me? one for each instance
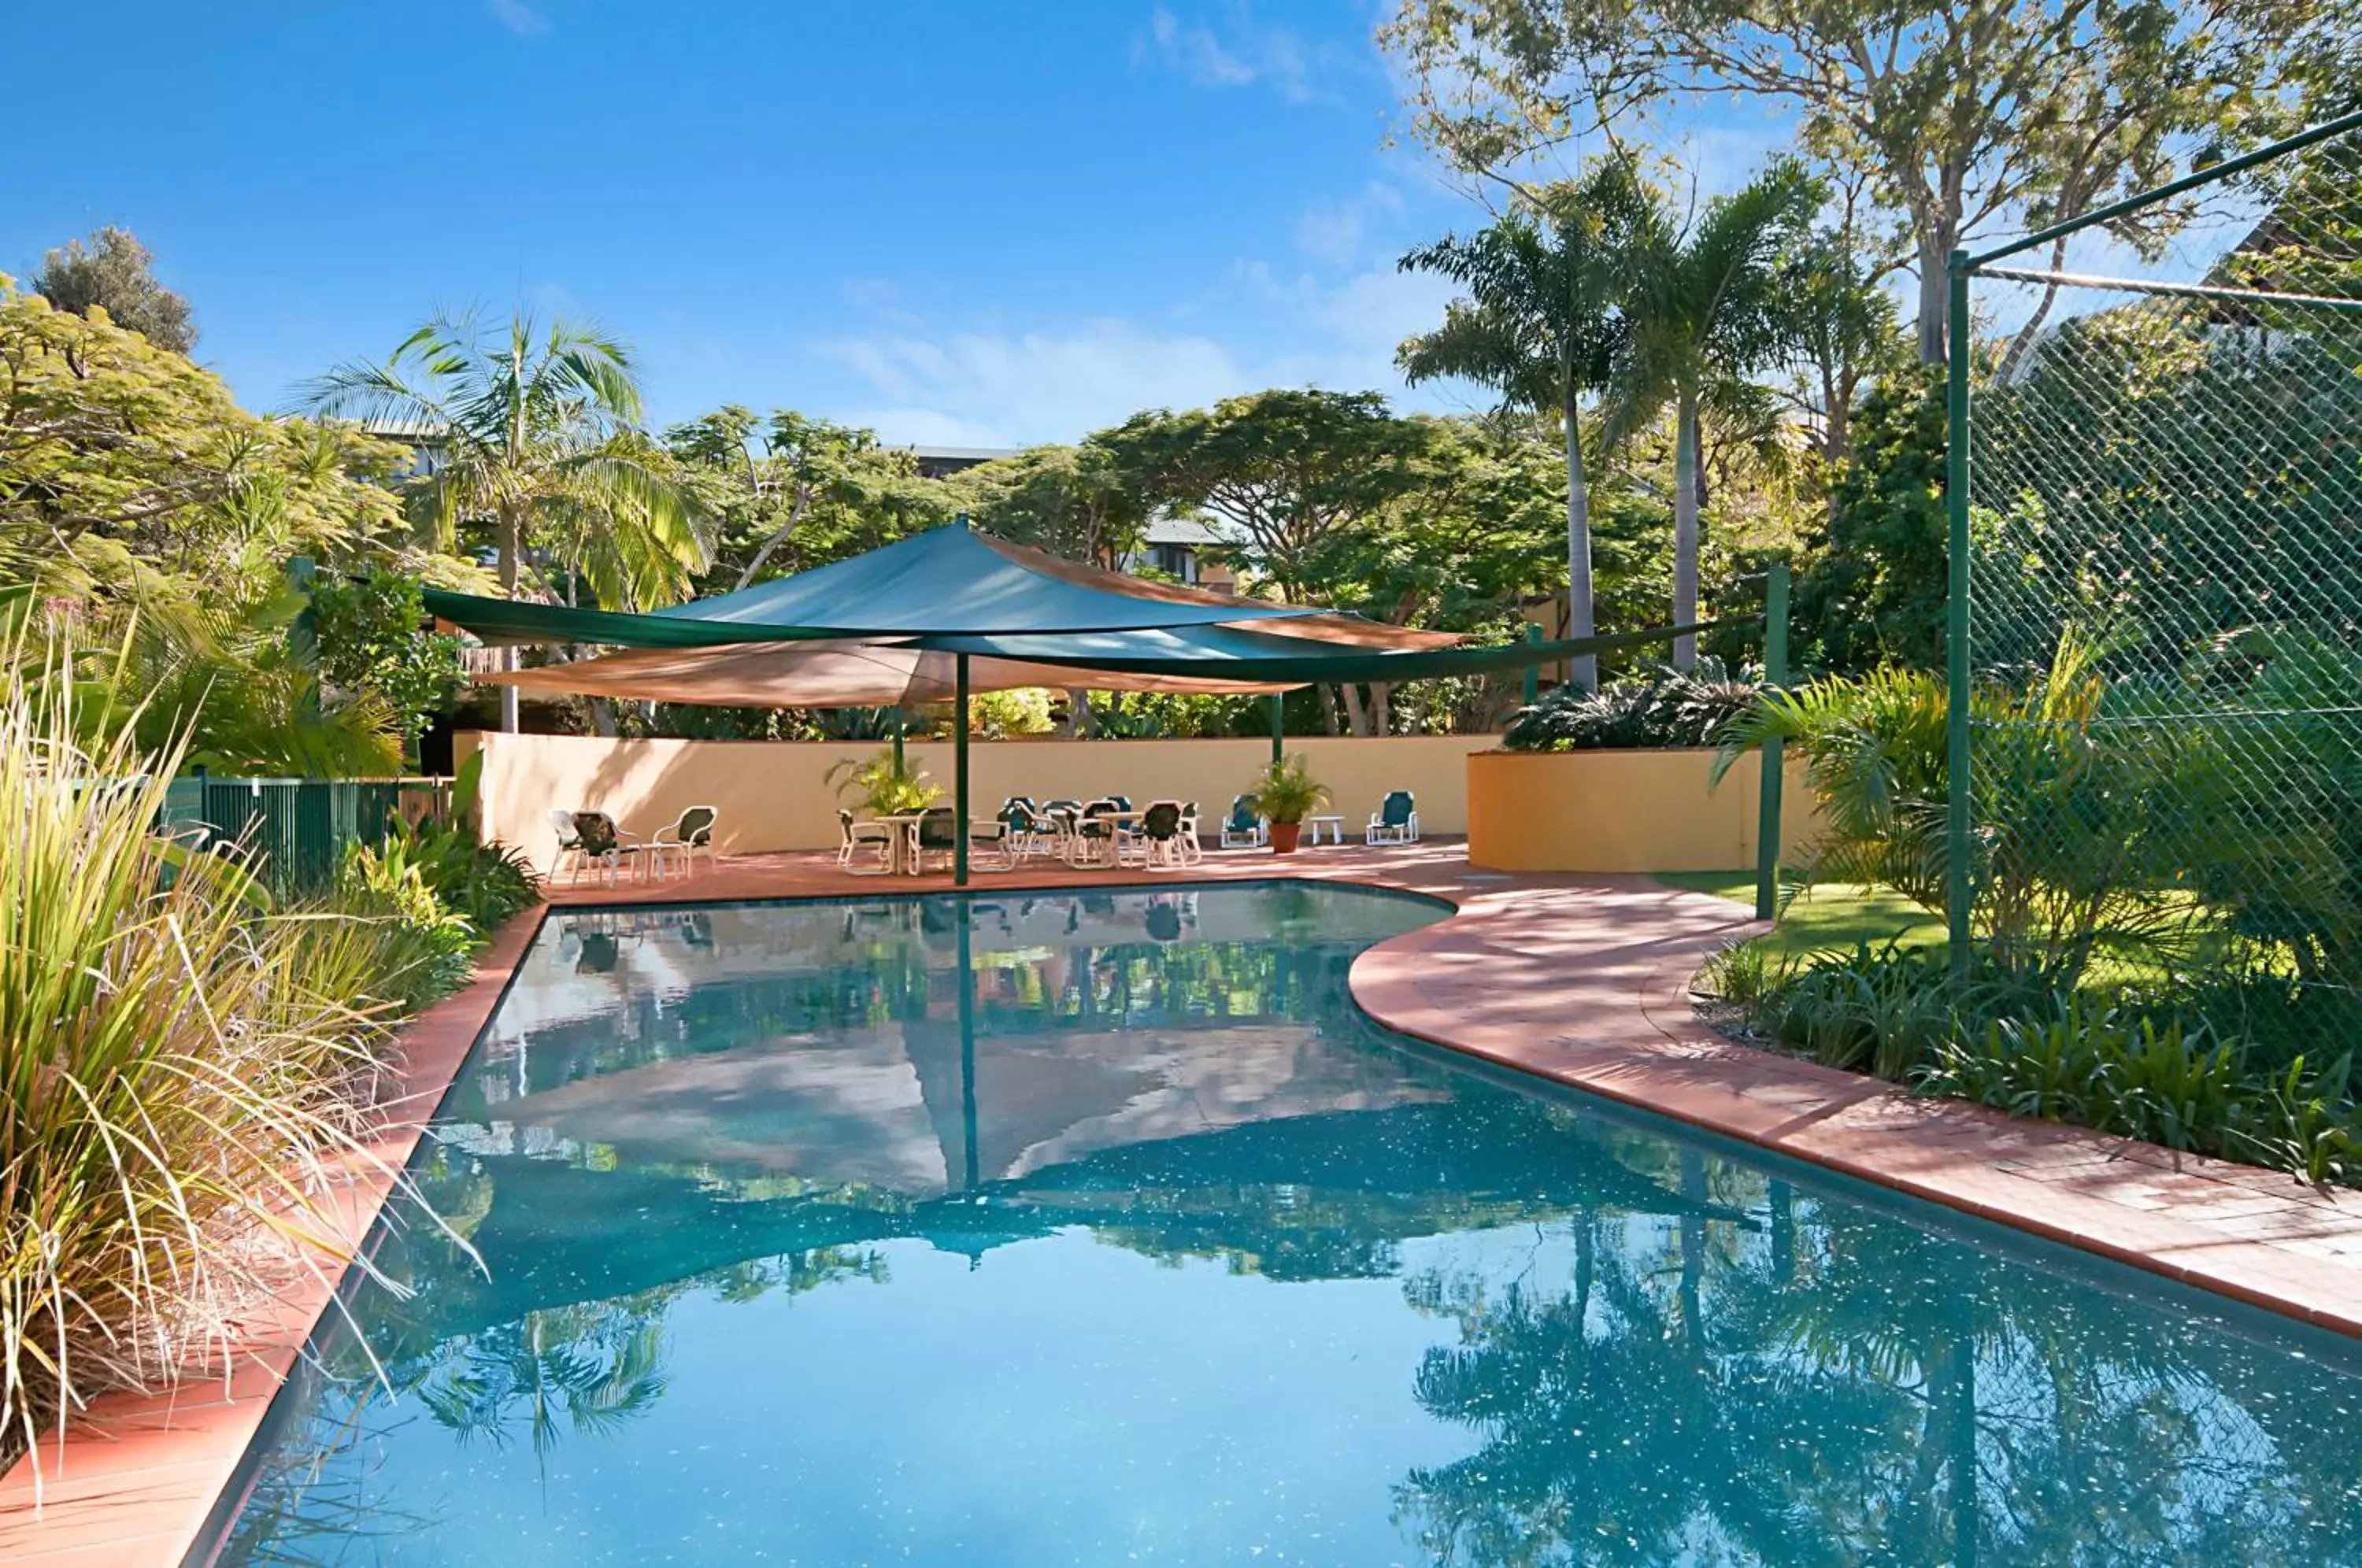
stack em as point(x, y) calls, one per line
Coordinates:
point(885, 784)
point(176, 1079)
point(1669, 708)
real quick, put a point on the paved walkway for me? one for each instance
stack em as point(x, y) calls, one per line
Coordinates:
point(1584, 980)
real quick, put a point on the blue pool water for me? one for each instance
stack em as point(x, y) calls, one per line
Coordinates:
point(1098, 1228)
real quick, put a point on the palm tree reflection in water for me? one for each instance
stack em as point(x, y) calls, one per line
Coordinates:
point(1644, 1353)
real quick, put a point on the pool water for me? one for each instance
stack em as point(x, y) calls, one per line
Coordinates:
point(1098, 1228)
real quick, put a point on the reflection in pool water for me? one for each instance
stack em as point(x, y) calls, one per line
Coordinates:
point(1089, 1228)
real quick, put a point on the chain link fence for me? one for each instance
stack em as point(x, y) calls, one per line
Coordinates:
point(2164, 600)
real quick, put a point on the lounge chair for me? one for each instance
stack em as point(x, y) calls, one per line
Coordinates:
point(1242, 829)
point(990, 844)
point(689, 836)
point(1396, 821)
point(851, 835)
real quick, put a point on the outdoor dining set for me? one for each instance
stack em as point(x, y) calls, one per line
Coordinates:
point(1107, 833)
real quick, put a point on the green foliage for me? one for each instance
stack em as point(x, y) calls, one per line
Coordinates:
point(1083, 502)
point(1286, 790)
point(174, 1077)
point(792, 492)
point(1873, 588)
point(539, 451)
point(116, 273)
point(885, 786)
point(369, 639)
point(1671, 708)
point(431, 947)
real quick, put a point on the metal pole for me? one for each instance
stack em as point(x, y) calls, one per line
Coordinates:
point(959, 774)
point(1775, 676)
point(968, 1041)
point(897, 737)
point(1533, 671)
point(1278, 734)
point(1955, 621)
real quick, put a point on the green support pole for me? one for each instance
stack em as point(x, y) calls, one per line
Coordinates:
point(1278, 734)
point(959, 774)
point(1775, 675)
point(897, 737)
point(1956, 621)
point(1533, 671)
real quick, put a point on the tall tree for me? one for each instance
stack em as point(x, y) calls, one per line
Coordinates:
point(117, 273)
point(1699, 301)
point(1076, 501)
point(1539, 325)
point(1968, 116)
point(538, 441)
point(1284, 470)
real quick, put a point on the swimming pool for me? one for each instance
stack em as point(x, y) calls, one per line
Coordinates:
point(1100, 1226)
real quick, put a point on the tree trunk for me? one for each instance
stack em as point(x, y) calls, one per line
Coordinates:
point(1382, 708)
point(1935, 291)
point(510, 544)
point(1328, 709)
point(1687, 481)
point(1585, 669)
point(1078, 712)
point(1357, 712)
point(2023, 338)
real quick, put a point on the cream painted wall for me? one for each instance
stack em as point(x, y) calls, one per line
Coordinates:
point(1624, 811)
point(773, 796)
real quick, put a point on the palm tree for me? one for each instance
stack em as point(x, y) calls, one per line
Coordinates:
point(1540, 325)
point(540, 440)
point(1698, 299)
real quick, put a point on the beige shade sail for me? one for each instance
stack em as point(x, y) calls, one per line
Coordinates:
point(827, 674)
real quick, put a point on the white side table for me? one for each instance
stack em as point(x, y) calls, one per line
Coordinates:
point(1336, 829)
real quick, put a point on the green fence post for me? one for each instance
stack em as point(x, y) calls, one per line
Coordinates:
point(1533, 671)
point(1775, 675)
point(1278, 733)
point(1956, 621)
point(959, 773)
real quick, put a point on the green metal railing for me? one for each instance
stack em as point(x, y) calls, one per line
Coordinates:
point(294, 832)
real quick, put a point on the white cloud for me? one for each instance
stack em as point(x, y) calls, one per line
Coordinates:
point(989, 389)
point(518, 17)
point(1338, 231)
point(1243, 53)
point(1058, 382)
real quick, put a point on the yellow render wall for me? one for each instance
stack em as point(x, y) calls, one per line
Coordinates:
point(1623, 812)
point(772, 796)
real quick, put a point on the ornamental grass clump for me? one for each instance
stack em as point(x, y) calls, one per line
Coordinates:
point(177, 1091)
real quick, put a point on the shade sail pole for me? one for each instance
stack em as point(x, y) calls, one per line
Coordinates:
point(1279, 735)
point(898, 739)
point(959, 774)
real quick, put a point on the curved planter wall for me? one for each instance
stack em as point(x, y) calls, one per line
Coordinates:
point(1621, 811)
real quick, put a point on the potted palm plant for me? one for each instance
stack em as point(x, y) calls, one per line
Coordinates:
point(887, 786)
point(1284, 796)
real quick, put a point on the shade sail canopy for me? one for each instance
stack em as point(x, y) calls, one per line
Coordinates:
point(946, 581)
point(827, 674)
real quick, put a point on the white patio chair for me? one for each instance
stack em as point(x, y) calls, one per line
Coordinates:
point(1396, 821)
point(688, 837)
point(851, 835)
point(1242, 829)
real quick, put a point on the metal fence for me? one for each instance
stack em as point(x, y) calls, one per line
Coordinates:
point(295, 831)
point(2157, 596)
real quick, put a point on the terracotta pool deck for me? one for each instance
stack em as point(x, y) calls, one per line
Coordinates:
point(1584, 980)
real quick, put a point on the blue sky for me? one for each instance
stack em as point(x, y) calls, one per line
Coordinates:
point(961, 223)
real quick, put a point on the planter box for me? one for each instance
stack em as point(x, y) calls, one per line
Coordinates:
point(1622, 812)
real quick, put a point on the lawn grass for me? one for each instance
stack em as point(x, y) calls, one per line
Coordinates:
point(1825, 915)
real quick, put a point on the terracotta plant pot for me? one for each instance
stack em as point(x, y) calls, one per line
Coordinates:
point(1284, 836)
